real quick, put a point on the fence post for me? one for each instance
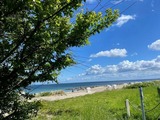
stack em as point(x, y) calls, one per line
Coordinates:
point(158, 90)
point(142, 103)
point(128, 108)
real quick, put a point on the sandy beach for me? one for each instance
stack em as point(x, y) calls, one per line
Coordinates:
point(88, 90)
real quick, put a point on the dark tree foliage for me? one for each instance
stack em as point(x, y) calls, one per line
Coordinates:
point(35, 36)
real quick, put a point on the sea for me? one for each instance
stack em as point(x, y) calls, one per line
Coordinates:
point(67, 87)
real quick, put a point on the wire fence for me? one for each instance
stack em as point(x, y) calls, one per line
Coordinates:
point(155, 109)
point(134, 106)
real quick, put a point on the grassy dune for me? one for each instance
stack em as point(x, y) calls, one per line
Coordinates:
point(107, 105)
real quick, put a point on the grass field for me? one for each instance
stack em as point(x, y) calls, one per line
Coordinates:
point(107, 105)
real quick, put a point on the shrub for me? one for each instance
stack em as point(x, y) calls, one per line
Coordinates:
point(51, 93)
point(144, 84)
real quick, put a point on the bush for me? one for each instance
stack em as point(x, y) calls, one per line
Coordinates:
point(144, 84)
point(51, 93)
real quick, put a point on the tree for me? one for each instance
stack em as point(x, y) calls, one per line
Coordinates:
point(35, 36)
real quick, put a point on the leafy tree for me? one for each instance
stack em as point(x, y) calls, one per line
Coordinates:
point(35, 36)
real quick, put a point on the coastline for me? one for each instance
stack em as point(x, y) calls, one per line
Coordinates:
point(68, 87)
point(81, 92)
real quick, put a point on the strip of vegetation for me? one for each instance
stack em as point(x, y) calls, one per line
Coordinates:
point(51, 93)
point(143, 84)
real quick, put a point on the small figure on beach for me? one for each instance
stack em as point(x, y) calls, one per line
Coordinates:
point(109, 87)
point(72, 90)
point(88, 90)
point(114, 86)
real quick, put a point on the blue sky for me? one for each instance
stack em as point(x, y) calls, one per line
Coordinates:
point(129, 49)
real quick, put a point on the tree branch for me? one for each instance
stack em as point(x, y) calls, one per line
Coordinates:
point(33, 32)
point(29, 77)
point(64, 7)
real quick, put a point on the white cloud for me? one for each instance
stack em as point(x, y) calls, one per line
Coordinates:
point(111, 53)
point(119, 1)
point(134, 54)
point(126, 66)
point(155, 45)
point(116, 1)
point(89, 60)
point(95, 69)
point(124, 19)
point(141, 69)
point(91, 1)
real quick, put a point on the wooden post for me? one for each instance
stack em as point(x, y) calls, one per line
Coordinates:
point(128, 108)
point(158, 90)
point(142, 103)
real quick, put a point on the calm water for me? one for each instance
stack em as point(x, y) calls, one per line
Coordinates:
point(69, 86)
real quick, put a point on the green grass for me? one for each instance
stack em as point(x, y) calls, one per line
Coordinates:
point(107, 105)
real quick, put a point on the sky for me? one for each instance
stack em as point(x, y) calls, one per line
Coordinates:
point(127, 50)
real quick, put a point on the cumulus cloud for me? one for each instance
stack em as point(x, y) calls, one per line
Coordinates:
point(140, 69)
point(155, 45)
point(111, 53)
point(124, 19)
point(95, 69)
point(126, 66)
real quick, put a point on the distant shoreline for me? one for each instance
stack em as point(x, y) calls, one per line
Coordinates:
point(84, 91)
point(68, 87)
point(76, 93)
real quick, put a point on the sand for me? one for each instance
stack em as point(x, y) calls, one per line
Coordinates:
point(87, 91)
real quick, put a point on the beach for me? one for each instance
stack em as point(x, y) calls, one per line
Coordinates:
point(99, 102)
point(81, 92)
